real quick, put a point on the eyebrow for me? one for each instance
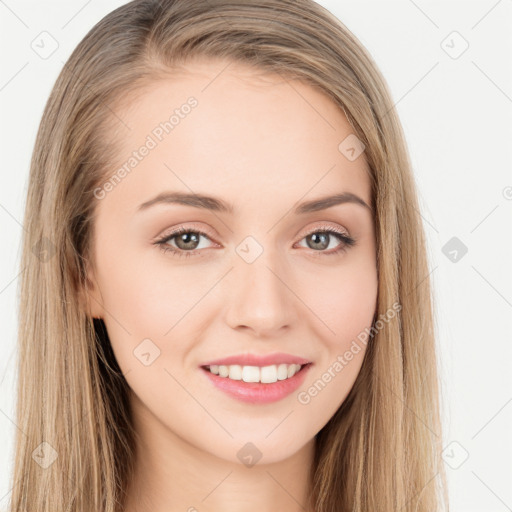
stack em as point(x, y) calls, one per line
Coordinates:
point(218, 205)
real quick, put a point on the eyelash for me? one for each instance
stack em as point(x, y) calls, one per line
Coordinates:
point(346, 241)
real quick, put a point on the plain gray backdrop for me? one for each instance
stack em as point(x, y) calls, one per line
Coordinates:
point(449, 68)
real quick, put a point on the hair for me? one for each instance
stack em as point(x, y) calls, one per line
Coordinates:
point(381, 450)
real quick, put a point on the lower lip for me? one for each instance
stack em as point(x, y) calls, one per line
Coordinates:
point(256, 392)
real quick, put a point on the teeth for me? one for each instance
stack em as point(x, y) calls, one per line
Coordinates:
point(265, 374)
point(235, 372)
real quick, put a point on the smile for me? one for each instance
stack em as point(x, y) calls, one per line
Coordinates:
point(257, 385)
point(265, 374)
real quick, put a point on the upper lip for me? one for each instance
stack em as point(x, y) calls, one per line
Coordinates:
point(258, 360)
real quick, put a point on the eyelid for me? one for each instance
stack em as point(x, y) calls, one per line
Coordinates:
point(209, 233)
point(326, 226)
point(161, 240)
point(188, 227)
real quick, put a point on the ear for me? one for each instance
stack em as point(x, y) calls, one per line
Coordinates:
point(91, 300)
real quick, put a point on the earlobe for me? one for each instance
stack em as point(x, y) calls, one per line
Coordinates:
point(90, 297)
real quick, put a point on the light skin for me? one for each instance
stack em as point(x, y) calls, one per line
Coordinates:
point(264, 146)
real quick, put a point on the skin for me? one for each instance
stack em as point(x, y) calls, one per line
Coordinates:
point(263, 145)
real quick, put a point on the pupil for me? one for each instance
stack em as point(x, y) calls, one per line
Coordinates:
point(186, 239)
point(316, 239)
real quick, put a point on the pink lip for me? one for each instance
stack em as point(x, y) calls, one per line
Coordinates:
point(257, 360)
point(257, 392)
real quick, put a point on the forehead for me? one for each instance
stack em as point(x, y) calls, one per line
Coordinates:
point(246, 130)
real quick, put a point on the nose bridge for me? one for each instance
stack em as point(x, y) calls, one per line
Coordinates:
point(260, 300)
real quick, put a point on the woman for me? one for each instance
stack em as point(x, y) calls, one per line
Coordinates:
point(224, 304)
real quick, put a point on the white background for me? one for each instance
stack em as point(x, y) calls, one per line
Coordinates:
point(457, 117)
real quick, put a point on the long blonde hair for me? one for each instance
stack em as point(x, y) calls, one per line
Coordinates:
point(75, 443)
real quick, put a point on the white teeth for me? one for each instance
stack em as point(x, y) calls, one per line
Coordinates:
point(269, 374)
point(265, 374)
point(282, 371)
point(235, 372)
point(251, 374)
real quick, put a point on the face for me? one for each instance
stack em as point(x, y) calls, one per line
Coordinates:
point(254, 272)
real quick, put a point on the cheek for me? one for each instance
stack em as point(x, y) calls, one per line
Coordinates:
point(344, 301)
point(148, 315)
point(147, 296)
point(353, 306)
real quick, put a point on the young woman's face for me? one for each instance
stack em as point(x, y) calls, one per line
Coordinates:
point(254, 273)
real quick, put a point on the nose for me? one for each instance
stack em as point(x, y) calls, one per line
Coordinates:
point(260, 298)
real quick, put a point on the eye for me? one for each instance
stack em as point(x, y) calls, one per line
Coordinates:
point(185, 241)
point(320, 238)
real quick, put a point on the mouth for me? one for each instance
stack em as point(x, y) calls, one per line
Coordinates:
point(254, 384)
point(258, 374)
